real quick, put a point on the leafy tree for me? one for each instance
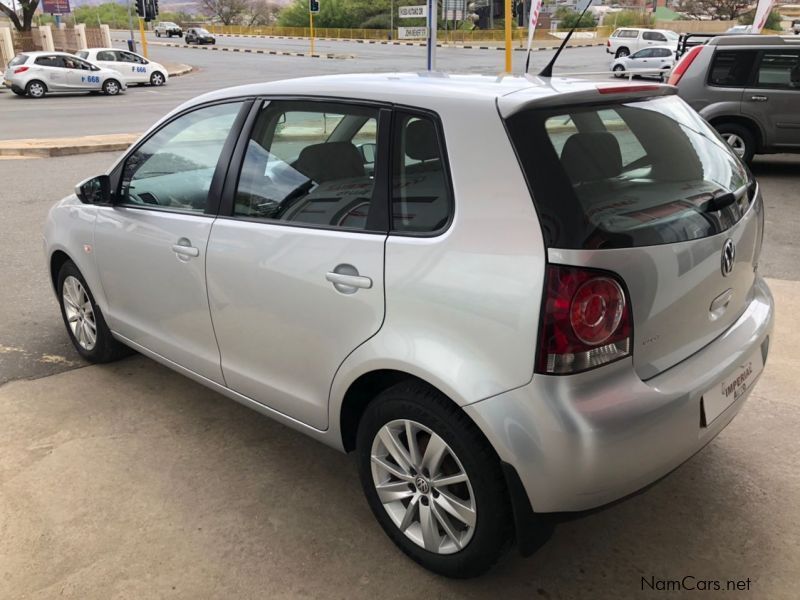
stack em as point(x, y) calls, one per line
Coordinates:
point(568, 18)
point(261, 12)
point(227, 11)
point(28, 7)
point(723, 10)
point(346, 13)
point(112, 14)
point(773, 20)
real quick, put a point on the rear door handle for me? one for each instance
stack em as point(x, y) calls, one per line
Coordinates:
point(759, 98)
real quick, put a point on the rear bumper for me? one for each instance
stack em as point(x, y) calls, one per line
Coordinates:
point(582, 441)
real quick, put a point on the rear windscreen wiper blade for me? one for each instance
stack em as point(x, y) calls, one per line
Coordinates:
point(721, 201)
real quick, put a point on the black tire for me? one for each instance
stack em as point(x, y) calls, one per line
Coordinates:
point(744, 134)
point(31, 89)
point(106, 348)
point(619, 71)
point(622, 52)
point(111, 87)
point(157, 78)
point(493, 531)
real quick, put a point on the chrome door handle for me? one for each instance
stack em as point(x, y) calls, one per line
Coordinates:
point(349, 281)
point(759, 98)
point(185, 250)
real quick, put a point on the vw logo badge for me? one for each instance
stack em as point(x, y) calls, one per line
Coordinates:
point(728, 257)
point(422, 485)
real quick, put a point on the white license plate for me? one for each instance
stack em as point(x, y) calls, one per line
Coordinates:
point(730, 389)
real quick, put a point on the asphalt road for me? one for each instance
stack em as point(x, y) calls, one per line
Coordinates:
point(140, 107)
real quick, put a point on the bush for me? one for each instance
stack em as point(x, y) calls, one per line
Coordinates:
point(628, 18)
point(568, 18)
point(773, 20)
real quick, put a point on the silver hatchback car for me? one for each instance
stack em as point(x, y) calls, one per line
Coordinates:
point(542, 326)
point(35, 74)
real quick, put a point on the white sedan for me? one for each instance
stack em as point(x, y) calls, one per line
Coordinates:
point(133, 67)
point(660, 58)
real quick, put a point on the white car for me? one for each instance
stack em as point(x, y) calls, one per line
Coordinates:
point(35, 74)
point(133, 67)
point(657, 57)
point(627, 40)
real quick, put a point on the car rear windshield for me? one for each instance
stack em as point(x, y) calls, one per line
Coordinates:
point(19, 59)
point(628, 174)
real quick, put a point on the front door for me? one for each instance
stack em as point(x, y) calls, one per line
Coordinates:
point(774, 99)
point(295, 269)
point(150, 246)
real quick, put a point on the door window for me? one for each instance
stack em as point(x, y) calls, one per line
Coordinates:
point(646, 53)
point(779, 69)
point(127, 57)
point(420, 191)
point(173, 169)
point(50, 61)
point(654, 36)
point(310, 163)
point(731, 68)
point(106, 55)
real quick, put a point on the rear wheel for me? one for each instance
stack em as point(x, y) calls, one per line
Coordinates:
point(739, 138)
point(35, 89)
point(158, 34)
point(111, 87)
point(433, 481)
point(623, 52)
point(619, 71)
point(157, 79)
point(85, 324)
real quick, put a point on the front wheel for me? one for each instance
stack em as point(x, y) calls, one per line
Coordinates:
point(619, 71)
point(433, 481)
point(739, 138)
point(85, 324)
point(157, 79)
point(111, 87)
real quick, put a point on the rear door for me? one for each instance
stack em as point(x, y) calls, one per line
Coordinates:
point(774, 98)
point(647, 190)
point(295, 265)
point(52, 71)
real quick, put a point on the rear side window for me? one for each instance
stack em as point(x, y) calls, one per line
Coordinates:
point(624, 175)
point(50, 61)
point(654, 36)
point(779, 69)
point(420, 187)
point(731, 68)
point(19, 59)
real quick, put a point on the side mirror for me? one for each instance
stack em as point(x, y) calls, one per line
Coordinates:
point(95, 190)
point(367, 153)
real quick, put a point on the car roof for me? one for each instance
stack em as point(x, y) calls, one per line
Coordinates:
point(43, 53)
point(437, 90)
point(752, 40)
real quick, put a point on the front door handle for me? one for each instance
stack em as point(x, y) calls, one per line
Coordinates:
point(184, 249)
point(759, 98)
point(346, 279)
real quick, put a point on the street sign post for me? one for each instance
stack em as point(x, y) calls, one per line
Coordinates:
point(433, 5)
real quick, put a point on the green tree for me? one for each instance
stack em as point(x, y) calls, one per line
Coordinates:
point(773, 20)
point(366, 14)
point(27, 7)
point(568, 18)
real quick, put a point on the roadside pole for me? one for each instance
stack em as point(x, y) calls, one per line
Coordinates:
point(507, 17)
point(313, 9)
point(144, 38)
point(432, 9)
point(132, 46)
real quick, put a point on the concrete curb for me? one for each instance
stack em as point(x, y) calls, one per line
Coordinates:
point(43, 148)
point(176, 70)
point(329, 56)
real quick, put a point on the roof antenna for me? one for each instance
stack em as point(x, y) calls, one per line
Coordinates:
point(548, 70)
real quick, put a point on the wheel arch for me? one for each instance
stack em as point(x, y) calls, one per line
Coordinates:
point(57, 260)
point(742, 121)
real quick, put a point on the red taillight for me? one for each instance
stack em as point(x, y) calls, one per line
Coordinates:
point(586, 320)
point(19, 70)
point(622, 89)
point(683, 65)
point(608, 43)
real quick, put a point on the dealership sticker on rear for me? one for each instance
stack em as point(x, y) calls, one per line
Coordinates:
point(733, 387)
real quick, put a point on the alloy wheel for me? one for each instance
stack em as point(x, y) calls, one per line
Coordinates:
point(423, 487)
point(157, 79)
point(79, 312)
point(36, 89)
point(111, 88)
point(736, 143)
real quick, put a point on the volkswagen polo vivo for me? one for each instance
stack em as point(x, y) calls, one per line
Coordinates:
point(509, 297)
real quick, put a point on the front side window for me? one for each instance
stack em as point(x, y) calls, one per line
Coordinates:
point(127, 57)
point(779, 69)
point(630, 174)
point(310, 163)
point(173, 169)
point(731, 68)
point(421, 192)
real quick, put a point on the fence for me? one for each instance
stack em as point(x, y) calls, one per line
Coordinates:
point(66, 39)
point(26, 41)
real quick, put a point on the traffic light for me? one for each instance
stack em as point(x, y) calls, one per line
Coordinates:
point(151, 10)
point(140, 8)
point(313, 6)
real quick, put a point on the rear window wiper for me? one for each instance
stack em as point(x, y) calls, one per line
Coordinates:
point(721, 201)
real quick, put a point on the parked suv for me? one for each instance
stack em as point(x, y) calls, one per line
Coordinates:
point(168, 29)
point(497, 341)
point(627, 40)
point(748, 88)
